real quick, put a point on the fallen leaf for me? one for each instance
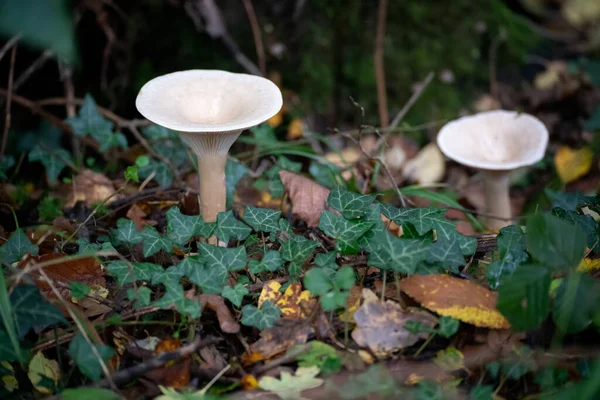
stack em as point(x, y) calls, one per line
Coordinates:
point(289, 386)
point(43, 373)
point(176, 374)
point(572, 164)
point(551, 76)
point(137, 215)
point(352, 304)
point(270, 291)
point(308, 197)
point(400, 149)
point(217, 304)
point(62, 224)
point(295, 129)
point(449, 359)
point(295, 302)
point(380, 326)
point(9, 380)
point(90, 187)
point(457, 298)
point(427, 167)
point(581, 12)
point(249, 382)
point(276, 119)
point(589, 265)
point(276, 340)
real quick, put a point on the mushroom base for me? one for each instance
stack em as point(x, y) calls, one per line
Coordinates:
point(497, 199)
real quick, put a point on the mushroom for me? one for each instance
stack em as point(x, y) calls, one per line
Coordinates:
point(495, 142)
point(209, 109)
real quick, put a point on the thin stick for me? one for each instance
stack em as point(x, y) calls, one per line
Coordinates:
point(291, 356)
point(260, 49)
point(11, 75)
point(8, 45)
point(411, 102)
point(71, 111)
point(37, 64)
point(384, 117)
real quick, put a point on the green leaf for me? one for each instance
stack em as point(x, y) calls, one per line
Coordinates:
point(127, 232)
point(297, 250)
point(83, 355)
point(262, 219)
point(585, 222)
point(53, 162)
point(157, 132)
point(174, 297)
point(85, 247)
point(154, 242)
point(447, 253)
point(400, 255)
point(109, 139)
point(483, 392)
point(346, 233)
point(88, 393)
point(511, 246)
point(228, 227)
point(49, 208)
point(290, 386)
point(210, 279)
point(554, 242)
point(344, 278)
point(325, 174)
point(235, 294)
point(523, 297)
point(79, 290)
point(262, 318)
point(141, 298)
point(169, 277)
point(376, 380)
point(126, 272)
point(317, 282)
point(326, 260)
point(319, 355)
point(448, 326)
point(8, 352)
point(31, 310)
point(566, 201)
point(575, 303)
point(188, 264)
point(89, 120)
point(131, 173)
point(162, 174)
point(232, 259)
point(234, 172)
point(181, 228)
point(45, 25)
point(16, 247)
point(351, 205)
point(427, 219)
point(271, 261)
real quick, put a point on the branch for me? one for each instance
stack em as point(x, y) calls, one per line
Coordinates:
point(11, 75)
point(260, 48)
point(384, 117)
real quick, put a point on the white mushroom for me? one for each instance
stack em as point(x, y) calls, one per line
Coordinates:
point(209, 109)
point(495, 142)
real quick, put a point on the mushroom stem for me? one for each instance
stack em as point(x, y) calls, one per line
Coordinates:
point(211, 173)
point(497, 197)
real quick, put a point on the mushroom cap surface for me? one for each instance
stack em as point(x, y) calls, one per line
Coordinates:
point(494, 140)
point(208, 101)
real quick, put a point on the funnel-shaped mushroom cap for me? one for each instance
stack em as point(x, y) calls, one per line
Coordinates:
point(494, 140)
point(208, 101)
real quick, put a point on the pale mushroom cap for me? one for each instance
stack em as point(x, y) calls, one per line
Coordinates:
point(208, 101)
point(494, 140)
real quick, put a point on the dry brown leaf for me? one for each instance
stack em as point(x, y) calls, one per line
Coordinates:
point(217, 304)
point(399, 150)
point(276, 340)
point(62, 224)
point(308, 197)
point(427, 167)
point(175, 375)
point(90, 187)
point(456, 298)
point(137, 215)
point(380, 326)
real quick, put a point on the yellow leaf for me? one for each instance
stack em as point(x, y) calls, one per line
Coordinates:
point(10, 382)
point(276, 119)
point(588, 265)
point(292, 301)
point(42, 370)
point(449, 359)
point(249, 382)
point(572, 164)
point(270, 292)
point(295, 129)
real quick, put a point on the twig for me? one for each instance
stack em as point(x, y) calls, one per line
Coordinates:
point(384, 118)
point(11, 75)
point(260, 48)
point(411, 102)
point(8, 45)
point(37, 64)
point(142, 368)
point(500, 37)
point(291, 356)
point(67, 73)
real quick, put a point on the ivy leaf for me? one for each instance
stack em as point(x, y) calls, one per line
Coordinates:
point(523, 297)
point(181, 228)
point(235, 294)
point(162, 174)
point(141, 298)
point(585, 222)
point(188, 265)
point(210, 279)
point(566, 201)
point(232, 259)
point(89, 120)
point(400, 255)
point(448, 326)
point(88, 393)
point(320, 355)
point(154, 242)
point(297, 250)
point(31, 310)
point(271, 261)
point(83, 355)
point(108, 139)
point(16, 247)
point(157, 132)
point(137, 271)
point(575, 303)
point(346, 233)
point(260, 318)
point(427, 219)
point(326, 260)
point(351, 205)
point(127, 232)
point(554, 242)
point(169, 277)
point(234, 172)
point(79, 290)
point(53, 162)
point(511, 245)
point(229, 227)
point(174, 297)
point(447, 254)
point(131, 174)
point(262, 219)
